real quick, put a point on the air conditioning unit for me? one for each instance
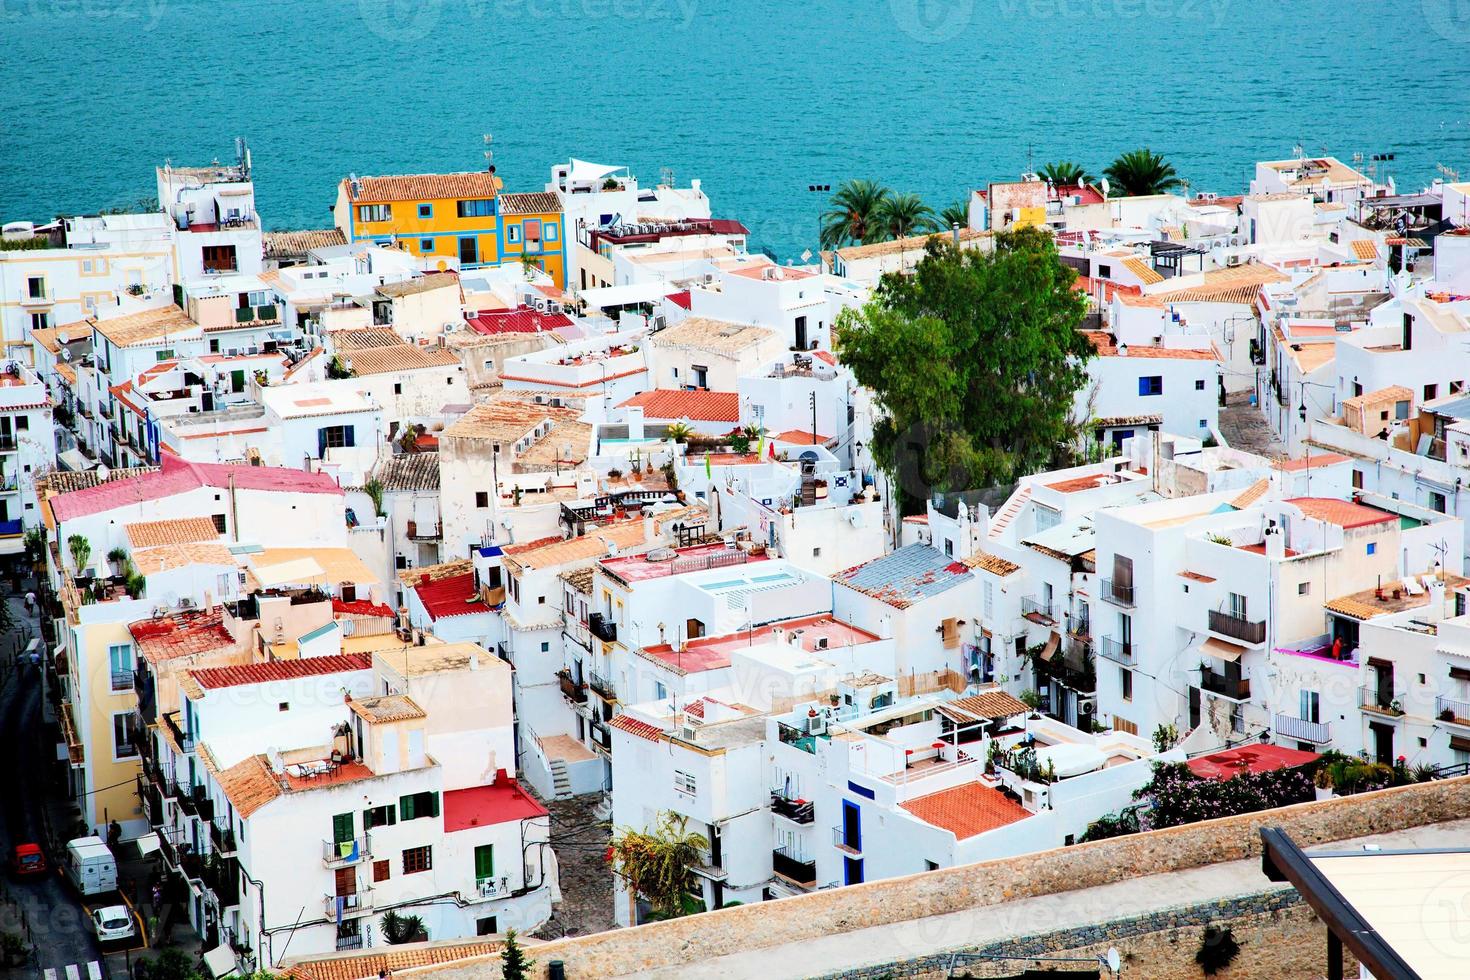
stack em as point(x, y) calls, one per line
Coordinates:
point(1232, 260)
point(186, 603)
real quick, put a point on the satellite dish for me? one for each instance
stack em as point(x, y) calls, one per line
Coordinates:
point(806, 256)
point(66, 353)
point(102, 473)
point(1114, 961)
point(1104, 185)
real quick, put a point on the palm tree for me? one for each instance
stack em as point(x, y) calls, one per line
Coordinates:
point(658, 864)
point(399, 929)
point(853, 218)
point(957, 213)
point(1065, 173)
point(679, 431)
point(905, 214)
point(1141, 172)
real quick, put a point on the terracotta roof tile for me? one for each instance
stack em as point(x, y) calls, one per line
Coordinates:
point(408, 472)
point(1250, 494)
point(633, 726)
point(151, 561)
point(289, 243)
point(214, 678)
point(1343, 513)
point(386, 708)
point(447, 569)
point(149, 326)
point(966, 810)
point(534, 202)
point(421, 284)
point(453, 596)
point(359, 966)
point(701, 405)
point(181, 635)
point(987, 705)
point(249, 785)
point(714, 336)
point(425, 187)
point(180, 530)
point(993, 564)
point(1365, 248)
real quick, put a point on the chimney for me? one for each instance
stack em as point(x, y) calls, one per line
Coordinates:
point(1435, 611)
point(1275, 542)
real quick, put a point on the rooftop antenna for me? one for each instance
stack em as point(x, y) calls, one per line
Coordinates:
point(489, 153)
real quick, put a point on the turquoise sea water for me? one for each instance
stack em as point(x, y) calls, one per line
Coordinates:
point(757, 98)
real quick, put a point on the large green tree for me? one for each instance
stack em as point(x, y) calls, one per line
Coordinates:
point(975, 359)
point(658, 863)
point(855, 214)
point(903, 215)
point(957, 213)
point(1139, 173)
point(1065, 173)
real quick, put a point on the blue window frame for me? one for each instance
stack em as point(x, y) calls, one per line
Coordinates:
point(513, 233)
point(426, 244)
point(852, 871)
point(549, 231)
point(1372, 547)
point(477, 209)
point(426, 210)
point(1152, 384)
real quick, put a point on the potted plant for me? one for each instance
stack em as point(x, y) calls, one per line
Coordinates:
point(81, 554)
point(117, 556)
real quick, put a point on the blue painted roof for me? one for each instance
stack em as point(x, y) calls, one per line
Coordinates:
point(911, 574)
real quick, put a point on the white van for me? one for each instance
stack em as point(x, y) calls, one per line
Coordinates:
point(90, 866)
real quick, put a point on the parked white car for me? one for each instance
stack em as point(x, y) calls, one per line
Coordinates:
point(112, 922)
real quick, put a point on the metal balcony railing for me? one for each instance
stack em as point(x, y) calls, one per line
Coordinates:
point(1450, 710)
point(1118, 651)
point(570, 689)
point(844, 843)
point(604, 629)
point(1234, 688)
point(1037, 611)
point(794, 868)
point(1116, 592)
point(797, 811)
point(1237, 627)
point(358, 903)
point(339, 854)
point(1301, 730)
point(1382, 700)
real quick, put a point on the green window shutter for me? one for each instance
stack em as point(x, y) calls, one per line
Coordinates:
point(433, 804)
point(405, 808)
point(367, 820)
point(484, 862)
point(342, 828)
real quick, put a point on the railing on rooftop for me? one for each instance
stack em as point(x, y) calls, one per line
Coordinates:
point(796, 738)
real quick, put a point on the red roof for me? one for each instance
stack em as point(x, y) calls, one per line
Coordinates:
point(522, 319)
point(1343, 513)
point(483, 806)
point(801, 437)
point(700, 405)
point(633, 726)
point(1248, 758)
point(280, 670)
point(1088, 193)
point(1311, 462)
point(176, 476)
point(1107, 348)
point(967, 809)
point(452, 596)
point(681, 298)
point(362, 607)
point(826, 356)
point(181, 635)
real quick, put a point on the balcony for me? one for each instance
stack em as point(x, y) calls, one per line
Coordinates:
point(794, 869)
point(601, 687)
point(359, 903)
point(1116, 592)
point(797, 811)
point(184, 739)
point(222, 837)
point(341, 854)
point(601, 736)
point(424, 531)
point(570, 689)
point(602, 628)
point(1035, 611)
point(1237, 627)
point(796, 738)
point(257, 314)
point(842, 842)
point(186, 800)
point(1119, 652)
point(222, 876)
point(1381, 700)
point(1224, 685)
point(1452, 711)
point(1300, 730)
point(345, 943)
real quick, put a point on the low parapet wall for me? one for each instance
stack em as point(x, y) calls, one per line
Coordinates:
point(698, 938)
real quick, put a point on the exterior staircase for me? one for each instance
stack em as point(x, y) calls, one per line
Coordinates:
point(1008, 513)
point(561, 785)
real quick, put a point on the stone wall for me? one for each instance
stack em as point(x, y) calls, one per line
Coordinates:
point(794, 920)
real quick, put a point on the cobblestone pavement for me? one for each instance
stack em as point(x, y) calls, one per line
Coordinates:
point(580, 840)
point(1246, 429)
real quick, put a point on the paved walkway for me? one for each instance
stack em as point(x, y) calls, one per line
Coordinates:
point(1012, 920)
point(1246, 429)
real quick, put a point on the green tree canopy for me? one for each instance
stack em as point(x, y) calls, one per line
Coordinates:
point(1065, 173)
point(658, 863)
point(855, 214)
point(957, 213)
point(975, 359)
point(1138, 173)
point(902, 215)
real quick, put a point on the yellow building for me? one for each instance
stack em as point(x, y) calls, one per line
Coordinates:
point(455, 216)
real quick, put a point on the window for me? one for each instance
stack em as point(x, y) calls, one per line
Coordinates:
point(659, 691)
point(484, 862)
point(1372, 547)
point(1105, 272)
point(426, 210)
point(120, 657)
point(416, 859)
point(545, 647)
point(1304, 588)
point(1431, 392)
point(379, 816)
point(477, 209)
point(1310, 706)
point(1436, 501)
point(284, 706)
point(989, 599)
point(1199, 384)
point(381, 871)
point(469, 251)
point(219, 523)
point(487, 926)
point(1152, 384)
point(219, 258)
point(343, 827)
point(426, 244)
point(1126, 677)
point(417, 805)
point(36, 287)
point(549, 230)
point(374, 212)
point(122, 736)
point(482, 498)
point(513, 234)
point(335, 437)
point(684, 783)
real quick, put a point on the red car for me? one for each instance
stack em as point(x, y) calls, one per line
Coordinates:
point(27, 860)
